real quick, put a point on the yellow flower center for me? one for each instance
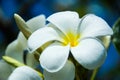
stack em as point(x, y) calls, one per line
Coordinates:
point(71, 39)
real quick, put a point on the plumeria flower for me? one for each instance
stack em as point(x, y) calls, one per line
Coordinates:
point(24, 73)
point(68, 33)
point(17, 48)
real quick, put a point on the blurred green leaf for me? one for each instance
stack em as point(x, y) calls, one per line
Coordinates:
point(116, 35)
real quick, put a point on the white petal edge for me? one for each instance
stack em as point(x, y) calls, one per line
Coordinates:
point(66, 73)
point(54, 57)
point(36, 22)
point(65, 21)
point(42, 36)
point(24, 73)
point(92, 26)
point(90, 53)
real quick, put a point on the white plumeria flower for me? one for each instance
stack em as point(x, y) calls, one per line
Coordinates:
point(24, 73)
point(16, 48)
point(66, 73)
point(71, 34)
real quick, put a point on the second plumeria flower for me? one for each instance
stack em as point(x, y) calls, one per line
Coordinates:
point(69, 33)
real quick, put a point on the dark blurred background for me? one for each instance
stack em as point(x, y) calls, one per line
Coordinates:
point(107, 9)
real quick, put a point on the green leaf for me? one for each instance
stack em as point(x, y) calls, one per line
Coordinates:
point(116, 35)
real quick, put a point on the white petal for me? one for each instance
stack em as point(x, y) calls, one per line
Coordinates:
point(5, 70)
point(66, 73)
point(36, 22)
point(15, 50)
point(92, 26)
point(65, 21)
point(24, 73)
point(54, 57)
point(42, 36)
point(90, 53)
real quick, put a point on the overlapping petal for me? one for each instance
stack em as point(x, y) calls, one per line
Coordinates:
point(42, 36)
point(36, 22)
point(24, 73)
point(90, 53)
point(66, 73)
point(65, 21)
point(92, 26)
point(54, 57)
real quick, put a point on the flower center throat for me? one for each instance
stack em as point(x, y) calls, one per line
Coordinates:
point(71, 39)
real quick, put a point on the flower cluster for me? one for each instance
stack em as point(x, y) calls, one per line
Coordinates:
point(65, 41)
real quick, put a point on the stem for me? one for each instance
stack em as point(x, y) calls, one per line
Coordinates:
point(77, 77)
point(94, 74)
